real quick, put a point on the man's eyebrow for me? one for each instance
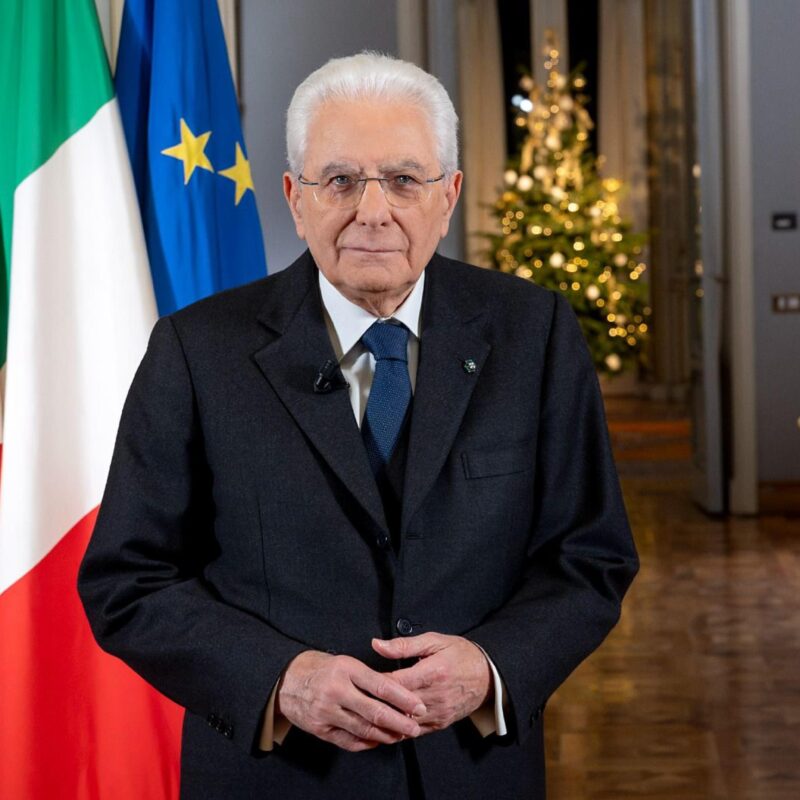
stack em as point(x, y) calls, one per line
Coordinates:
point(336, 167)
point(398, 166)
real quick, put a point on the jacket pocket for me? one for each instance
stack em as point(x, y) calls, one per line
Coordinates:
point(502, 461)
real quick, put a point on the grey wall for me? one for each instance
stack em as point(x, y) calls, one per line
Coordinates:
point(774, 34)
point(281, 42)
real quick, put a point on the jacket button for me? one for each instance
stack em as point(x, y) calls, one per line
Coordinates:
point(404, 627)
point(384, 542)
point(228, 732)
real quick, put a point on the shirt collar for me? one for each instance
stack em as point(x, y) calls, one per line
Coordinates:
point(350, 322)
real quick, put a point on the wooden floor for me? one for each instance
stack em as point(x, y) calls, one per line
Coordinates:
point(696, 693)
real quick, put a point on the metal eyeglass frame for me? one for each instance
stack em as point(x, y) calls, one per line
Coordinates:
point(363, 182)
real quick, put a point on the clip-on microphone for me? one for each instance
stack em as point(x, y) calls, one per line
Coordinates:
point(329, 378)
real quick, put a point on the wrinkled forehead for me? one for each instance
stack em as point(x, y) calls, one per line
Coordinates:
point(370, 135)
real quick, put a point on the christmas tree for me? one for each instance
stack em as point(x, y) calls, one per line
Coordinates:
point(560, 224)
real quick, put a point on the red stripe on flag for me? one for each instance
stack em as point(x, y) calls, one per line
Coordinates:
point(75, 722)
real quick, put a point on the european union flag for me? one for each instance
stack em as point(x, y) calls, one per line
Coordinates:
point(189, 160)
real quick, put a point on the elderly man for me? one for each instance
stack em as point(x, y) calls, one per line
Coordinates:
point(362, 518)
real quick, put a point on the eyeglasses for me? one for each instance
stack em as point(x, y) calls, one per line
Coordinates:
point(344, 191)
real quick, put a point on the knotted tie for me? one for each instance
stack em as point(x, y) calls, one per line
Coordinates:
point(390, 394)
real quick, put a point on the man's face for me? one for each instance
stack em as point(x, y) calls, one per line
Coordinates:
point(374, 248)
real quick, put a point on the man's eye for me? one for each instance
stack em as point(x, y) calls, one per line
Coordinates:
point(342, 181)
point(404, 180)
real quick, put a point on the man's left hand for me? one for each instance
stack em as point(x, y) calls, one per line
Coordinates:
point(452, 676)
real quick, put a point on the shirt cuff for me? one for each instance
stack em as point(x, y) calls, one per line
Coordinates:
point(274, 730)
point(491, 719)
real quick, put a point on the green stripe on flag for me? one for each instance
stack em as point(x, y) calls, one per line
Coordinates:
point(54, 76)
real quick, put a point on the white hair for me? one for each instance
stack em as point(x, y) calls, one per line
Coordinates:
point(371, 75)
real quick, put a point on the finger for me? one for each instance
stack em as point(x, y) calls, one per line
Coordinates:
point(380, 685)
point(381, 716)
point(425, 644)
point(431, 728)
point(423, 675)
point(347, 741)
point(362, 728)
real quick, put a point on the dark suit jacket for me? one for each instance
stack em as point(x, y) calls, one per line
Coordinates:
point(241, 525)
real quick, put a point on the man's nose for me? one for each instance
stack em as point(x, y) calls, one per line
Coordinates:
point(373, 208)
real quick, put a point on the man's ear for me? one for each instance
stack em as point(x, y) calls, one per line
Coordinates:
point(451, 195)
point(292, 193)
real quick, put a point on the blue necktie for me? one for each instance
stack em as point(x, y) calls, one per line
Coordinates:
point(390, 394)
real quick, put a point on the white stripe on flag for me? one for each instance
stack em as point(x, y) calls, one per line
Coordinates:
point(81, 308)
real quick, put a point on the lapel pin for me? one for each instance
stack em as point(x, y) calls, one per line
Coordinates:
point(469, 365)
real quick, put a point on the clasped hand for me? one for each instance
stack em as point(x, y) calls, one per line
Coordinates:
point(341, 700)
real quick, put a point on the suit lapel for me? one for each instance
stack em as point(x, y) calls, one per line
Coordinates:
point(290, 363)
point(451, 356)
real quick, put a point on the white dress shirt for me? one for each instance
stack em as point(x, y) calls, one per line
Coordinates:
point(347, 323)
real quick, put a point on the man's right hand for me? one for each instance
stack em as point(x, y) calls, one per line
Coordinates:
point(342, 701)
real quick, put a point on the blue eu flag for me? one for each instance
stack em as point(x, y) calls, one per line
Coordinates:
point(181, 122)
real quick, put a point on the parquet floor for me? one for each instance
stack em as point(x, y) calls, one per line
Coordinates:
point(696, 693)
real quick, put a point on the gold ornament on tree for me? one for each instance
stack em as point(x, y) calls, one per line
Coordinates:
point(560, 224)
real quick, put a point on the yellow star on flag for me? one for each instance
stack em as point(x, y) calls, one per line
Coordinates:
point(191, 151)
point(240, 174)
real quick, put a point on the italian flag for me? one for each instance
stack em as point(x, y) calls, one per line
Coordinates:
point(76, 308)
